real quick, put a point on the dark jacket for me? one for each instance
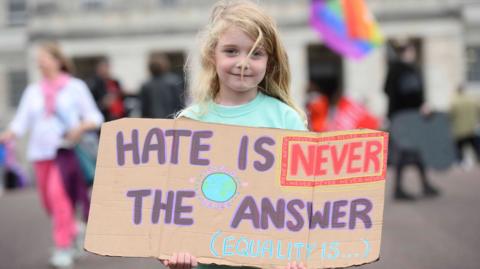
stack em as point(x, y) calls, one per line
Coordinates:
point(99, 90)
point(404, 87)
point(162, 96)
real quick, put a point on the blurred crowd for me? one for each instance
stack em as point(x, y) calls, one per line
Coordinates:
point(63, 148)
point(161, 96)
point(419, 136)
point(328, 109)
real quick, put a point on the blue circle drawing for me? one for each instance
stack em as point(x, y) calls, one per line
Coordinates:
point(219, 187)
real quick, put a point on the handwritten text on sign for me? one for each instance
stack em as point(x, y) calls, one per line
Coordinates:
point(300, 155)
point(244, 196)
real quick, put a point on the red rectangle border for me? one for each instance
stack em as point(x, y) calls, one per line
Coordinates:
point(304, 183)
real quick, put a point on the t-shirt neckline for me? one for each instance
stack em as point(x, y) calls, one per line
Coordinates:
point(234, 111)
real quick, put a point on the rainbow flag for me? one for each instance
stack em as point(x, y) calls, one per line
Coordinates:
point(346, 26)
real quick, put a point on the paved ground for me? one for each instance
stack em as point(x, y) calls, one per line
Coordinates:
point(429, 233)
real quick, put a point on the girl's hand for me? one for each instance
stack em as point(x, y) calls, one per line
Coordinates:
point(181, 260)
point(73, 136)
point(425, 110)
point(294, 265)
point(6, 137)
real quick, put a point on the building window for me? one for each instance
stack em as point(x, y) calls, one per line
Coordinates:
point(17, 12)
point(325, 71)
point(44, 7)
point(473, 64)
point(93, 4)
point(17, 82)
point(85, 66)
point(168, 3)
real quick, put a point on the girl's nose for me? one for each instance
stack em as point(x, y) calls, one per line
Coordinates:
point(243, 63)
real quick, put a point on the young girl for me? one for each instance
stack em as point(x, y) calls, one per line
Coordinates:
point(57, 111)
point(244, 81)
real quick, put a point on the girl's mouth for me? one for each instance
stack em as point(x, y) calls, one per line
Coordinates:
point(239, 75)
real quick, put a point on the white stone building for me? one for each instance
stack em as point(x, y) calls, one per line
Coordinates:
point(127, 32)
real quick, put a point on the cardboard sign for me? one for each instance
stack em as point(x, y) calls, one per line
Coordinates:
point(238, 196)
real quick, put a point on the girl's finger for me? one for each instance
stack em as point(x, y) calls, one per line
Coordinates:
point(173, 261)
point(181, 261)
point(187, 261)
point(194, 261)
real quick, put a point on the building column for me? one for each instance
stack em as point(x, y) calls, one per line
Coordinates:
point(364, 80)
point(129, 65)
point(444, 68)
point(3, 97)
point(299, 72)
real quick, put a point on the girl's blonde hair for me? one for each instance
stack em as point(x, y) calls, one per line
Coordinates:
point(260, 27)
point(53, 48)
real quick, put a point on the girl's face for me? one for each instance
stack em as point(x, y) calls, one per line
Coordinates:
point(231, 53)
point(47, 63)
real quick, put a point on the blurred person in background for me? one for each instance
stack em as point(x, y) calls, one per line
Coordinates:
point(405, 91)
point(335, 111)
point(57, 111)
point(465, 119)
point(162, 95)
point(107, 92)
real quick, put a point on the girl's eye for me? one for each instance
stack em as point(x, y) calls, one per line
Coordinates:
point(231, 51)
point(258, 53)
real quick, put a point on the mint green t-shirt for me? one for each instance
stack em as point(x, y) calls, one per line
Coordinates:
point(263, 111)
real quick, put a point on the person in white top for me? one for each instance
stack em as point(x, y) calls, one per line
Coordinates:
point(57, 111)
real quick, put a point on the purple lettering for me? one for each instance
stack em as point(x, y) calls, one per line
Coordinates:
point(137, 196)
point(242, 153)
point(337, 213)
point(176, 134)
point(197, 147)
point(269, 157)
point(277, 216)
point(179, 209)
point(124, 147)
point(248, 210)
point(159, 146)
point(158, 206)
point(318, 218)
point(295, 214)
point(362, 214)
